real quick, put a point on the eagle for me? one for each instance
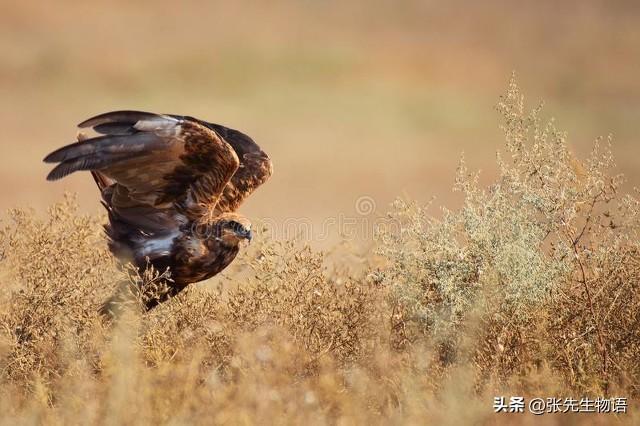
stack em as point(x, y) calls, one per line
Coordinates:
point(171, 185)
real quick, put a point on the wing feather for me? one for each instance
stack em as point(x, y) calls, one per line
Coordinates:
point(121, 117)
point(155, 163)
point(254, 170)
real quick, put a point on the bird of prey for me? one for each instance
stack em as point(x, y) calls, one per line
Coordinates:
point(171, 185)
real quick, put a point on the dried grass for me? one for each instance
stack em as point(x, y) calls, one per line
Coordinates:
point(530, 288)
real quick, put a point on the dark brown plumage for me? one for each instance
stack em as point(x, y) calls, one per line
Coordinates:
point(171, 185)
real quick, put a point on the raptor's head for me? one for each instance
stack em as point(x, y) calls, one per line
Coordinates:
point(233, 228)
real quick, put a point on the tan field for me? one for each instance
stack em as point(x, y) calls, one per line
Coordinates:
point(350, 99)
point(527, 285)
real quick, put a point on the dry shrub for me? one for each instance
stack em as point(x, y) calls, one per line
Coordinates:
point(54, 270)
point(291, 289)
point(530, 288)
point(541, 268)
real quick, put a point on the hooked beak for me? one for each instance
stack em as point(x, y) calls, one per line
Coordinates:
point(248, 235)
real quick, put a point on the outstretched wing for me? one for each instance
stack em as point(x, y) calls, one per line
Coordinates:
point(255, 166)
point(161, 166)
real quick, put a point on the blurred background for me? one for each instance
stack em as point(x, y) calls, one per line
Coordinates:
point(350, 98)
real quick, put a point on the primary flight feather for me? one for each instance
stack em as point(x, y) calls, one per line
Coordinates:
point(171, 185)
